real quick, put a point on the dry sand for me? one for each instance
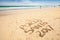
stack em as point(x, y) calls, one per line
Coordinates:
point(10, 22)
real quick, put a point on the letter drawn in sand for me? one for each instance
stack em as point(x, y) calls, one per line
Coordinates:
point(30, 27)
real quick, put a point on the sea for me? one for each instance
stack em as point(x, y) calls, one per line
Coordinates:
point(28, 4)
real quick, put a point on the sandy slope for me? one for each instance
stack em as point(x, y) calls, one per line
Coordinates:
point(10, 22)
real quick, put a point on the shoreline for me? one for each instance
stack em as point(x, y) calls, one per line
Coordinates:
point(24, 8)
point(24, 11)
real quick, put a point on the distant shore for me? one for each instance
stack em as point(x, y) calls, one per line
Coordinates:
point(6, 8)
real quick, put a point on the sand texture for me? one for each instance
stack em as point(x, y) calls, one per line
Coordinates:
point(30, 24)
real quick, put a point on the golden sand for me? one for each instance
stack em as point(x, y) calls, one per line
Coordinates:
point(11, 21)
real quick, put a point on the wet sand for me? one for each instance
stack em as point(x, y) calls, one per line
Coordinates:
point(11, 21)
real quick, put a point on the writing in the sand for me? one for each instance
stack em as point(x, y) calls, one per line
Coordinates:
point(37, 26)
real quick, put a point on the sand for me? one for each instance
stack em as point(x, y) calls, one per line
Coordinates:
point(11, 21)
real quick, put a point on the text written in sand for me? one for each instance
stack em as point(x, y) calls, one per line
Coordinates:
point(37, 26)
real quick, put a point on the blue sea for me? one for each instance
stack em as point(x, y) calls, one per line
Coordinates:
point(8, 4)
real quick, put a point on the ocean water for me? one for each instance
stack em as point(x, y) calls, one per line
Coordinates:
point(28, 4)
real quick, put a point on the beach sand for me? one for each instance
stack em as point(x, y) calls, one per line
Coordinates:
point(11, 21)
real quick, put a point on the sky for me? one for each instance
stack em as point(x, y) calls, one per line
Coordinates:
point(29, 2)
